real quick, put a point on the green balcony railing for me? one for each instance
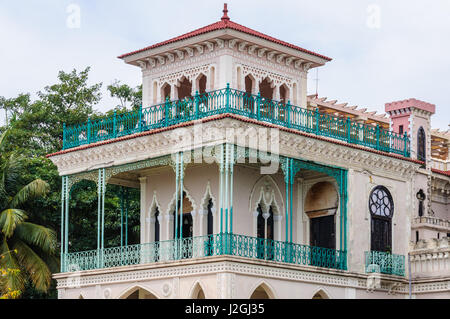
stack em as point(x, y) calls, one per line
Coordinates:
point(235, 102)
point(205, 246)
point(385, 263)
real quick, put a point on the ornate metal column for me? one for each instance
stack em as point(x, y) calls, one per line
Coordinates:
point(64, 221)
point(101, 189)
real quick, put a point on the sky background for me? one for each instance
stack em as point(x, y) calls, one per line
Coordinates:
point(382, 51)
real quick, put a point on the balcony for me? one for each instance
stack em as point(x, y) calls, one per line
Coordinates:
point(432, 222)
point(384, 263)
point(236, 102)
point(205, 246)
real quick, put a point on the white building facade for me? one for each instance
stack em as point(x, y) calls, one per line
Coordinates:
point(249, 188)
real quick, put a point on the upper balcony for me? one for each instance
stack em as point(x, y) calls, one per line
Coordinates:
point(231, 101)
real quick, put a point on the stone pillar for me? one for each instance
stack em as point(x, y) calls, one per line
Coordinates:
point(143, 206)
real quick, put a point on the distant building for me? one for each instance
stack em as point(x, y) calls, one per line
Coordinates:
point(250, 188)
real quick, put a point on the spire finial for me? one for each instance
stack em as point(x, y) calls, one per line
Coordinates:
point(225, 13)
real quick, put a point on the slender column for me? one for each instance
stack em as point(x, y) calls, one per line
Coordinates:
point(181, 172)
point(63, 237)
point(126, 215)
point(143, 209)
point(121, 216)
point(286, 180)
point(231, 188)
point(176, 194)
point(99, 190)
point(291, 182)
point(221, 189)
point(103, 207)
point(226, 188)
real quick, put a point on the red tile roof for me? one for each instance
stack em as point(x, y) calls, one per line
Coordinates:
point(225, 23)
point(446, 173)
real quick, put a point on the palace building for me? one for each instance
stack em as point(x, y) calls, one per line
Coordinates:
point(251, 188)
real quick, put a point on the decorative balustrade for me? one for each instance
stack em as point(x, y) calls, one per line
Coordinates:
point(385, 263)
point(430, 220)
point(205, 246)
point(241, 103)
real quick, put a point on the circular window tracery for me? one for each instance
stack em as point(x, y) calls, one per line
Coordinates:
point(381, 203)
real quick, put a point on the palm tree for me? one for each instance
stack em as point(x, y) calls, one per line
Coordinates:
point(24, 246)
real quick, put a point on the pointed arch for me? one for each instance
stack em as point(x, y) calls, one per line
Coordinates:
point(154, 216)
point(197, 291)
point(201, 83)
point(257, 194)
point(137, 292)
point(262, 291)
point(320, 294)
point(171, 205)
point(184, 88)
point(166, 92)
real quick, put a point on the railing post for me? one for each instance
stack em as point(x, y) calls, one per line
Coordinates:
point(140, 118)
point(64, 136)
point(258, 106)
point(115, 124)
point(89, 131)
point(196, 101)
point(378, 137)
point(166, 106)
point(405, 142)
point(227, 92)
point(288, 114)
point(316, 116)
point(348, 124)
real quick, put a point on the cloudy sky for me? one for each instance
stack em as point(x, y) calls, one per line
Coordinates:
point(382, 50)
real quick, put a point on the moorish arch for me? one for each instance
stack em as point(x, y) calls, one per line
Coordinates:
point(197, 292)
point(137, 292)
point(320, 294)
point(154, 219)
point(262, 291)
point(321, 206)
point(189, 207)
point(208, 209)
point(266, 205)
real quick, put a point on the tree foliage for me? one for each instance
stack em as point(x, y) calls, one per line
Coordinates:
point(30, 186)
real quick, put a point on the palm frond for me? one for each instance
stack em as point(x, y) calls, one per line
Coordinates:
point(9, 219)
point(37, 269)
point(3, 138)
point(9, 261)
point(35, 189)
point(36, 235)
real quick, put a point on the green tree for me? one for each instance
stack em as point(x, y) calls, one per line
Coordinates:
point(25, 246)
point(126, 94)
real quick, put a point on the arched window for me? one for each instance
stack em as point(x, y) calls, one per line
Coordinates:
point(381, 207)
point(157, 225)
point(210, 225)
point(421, 155)
point(265, 234)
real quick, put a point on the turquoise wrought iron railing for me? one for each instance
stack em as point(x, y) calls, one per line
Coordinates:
point(205, 246)
point(385, 263)
point(241, 103)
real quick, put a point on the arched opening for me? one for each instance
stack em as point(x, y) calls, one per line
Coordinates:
point(261, 292)
point(381, 207)
point(201, 84)
point(185, 89)
point(249, 84)
point(139, 293)
point(198, 292)
point(284, 94)
point(321, 204)
point(421, 145)
point(320, 295)
point(249, 100)
point(266, 89)
point(187, 222)
point(156, 226)
point(166, 91)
